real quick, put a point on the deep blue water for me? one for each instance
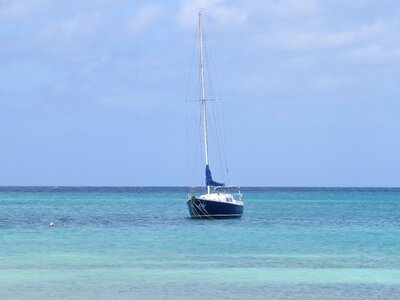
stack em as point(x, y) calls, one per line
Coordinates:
point(138, 243)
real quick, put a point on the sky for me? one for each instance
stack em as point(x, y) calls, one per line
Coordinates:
point(92, 92)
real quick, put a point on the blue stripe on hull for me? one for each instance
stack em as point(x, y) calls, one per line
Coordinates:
point(204, 208)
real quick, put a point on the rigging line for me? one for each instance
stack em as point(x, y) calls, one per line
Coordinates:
point(217, 134)
point(220, 155)
point(196, 208)
point(221, 129)
point(217, 124)
point(205, 63)
point(187, 143)
point(188, 148)
point(200, 124)
point(217, 120)
point(197, 142)
point(201, 139)
point(189, 78)
point(210, 82)
point(220, 120)
point(202, 210)
point(205, 212)
point(191, 67)
point(222, 133)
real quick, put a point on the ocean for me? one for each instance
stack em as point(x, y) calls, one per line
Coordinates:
point(139, 243)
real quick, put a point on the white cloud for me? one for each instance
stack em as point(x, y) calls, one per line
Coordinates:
point(302, 39)
point(144, 17)
point(16, 9)
point(121, 97)
point(219, 10)
point(373, 54)
point(79, 25)
point(305, 40)
point(291, 6)
point(333, 82)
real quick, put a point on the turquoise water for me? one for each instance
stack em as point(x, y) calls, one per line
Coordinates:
point(138, 243)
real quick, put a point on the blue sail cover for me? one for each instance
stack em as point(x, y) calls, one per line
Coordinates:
point(209, 180)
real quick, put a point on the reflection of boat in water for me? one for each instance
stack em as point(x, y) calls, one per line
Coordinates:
point(220, 201)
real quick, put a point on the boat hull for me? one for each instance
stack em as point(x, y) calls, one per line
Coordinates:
point(200, 208)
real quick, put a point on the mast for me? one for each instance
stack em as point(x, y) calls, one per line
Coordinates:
point(203, 99)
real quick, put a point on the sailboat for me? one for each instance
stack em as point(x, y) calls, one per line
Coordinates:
point(219, 200)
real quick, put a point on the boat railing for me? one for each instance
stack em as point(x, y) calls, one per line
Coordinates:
point(227, 188)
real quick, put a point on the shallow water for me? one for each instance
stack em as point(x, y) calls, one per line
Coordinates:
point(119, 243)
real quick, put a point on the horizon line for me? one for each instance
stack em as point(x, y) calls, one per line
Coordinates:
point(182, 186)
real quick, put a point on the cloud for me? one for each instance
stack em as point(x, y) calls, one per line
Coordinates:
point(17, 9)
point(121, 97)
point(291, 6)
point(331, 82)
point(80, 25)
point(302, 39)
point(299, 40)
point(24, 76)
point(144, 17)
point(216, 9)
point(373, 54)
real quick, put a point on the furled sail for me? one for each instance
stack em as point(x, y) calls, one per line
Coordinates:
point(209, 180)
